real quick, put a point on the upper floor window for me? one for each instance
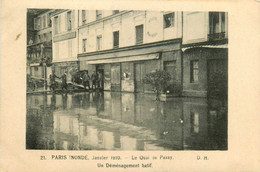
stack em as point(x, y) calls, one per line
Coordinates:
point(69, 21)
point(115, 11)
point(194, 71)
point(99, 42)
point(56, 25)
point(169, 20)
point(44, 21)
point(116, 39)
point(98, 14)
point(84, 45)
point(216, 22)
point(84, 17)
point(37, 23)
point(139, 34)
point(48, 20)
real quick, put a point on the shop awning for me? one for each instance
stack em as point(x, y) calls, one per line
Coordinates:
point(125, 59)
point(205, 46)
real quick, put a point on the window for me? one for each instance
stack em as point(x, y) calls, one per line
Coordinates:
point(216, 22)
point(98, 14)
point(195, 122)
point(139, 34)
point(116, 39)
point(168, 20)
point(69, 24)
point(99, 42)
point(84, 45)
point(48, 20)
point(37, 23)
point(84, 17)
point(39, 38)
point(194, 71)
point(115, 11)
point(44, 21)
point(56, 25)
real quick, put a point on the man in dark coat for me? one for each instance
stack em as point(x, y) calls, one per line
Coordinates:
point(85, 80)
point(94, 80)
point(64, 84)
point(52, 81)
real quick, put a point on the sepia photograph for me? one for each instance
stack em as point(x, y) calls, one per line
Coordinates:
point(126, 80)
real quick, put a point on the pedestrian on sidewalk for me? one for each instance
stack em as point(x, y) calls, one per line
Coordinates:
point(86, 79)
point(94, 80)
point(64, 84)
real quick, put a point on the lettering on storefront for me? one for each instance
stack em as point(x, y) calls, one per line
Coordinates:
point(64, 37)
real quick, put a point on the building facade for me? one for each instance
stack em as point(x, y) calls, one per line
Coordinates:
point(39, 43)
point(124, 46)
point(65, 43)
point(205, 52)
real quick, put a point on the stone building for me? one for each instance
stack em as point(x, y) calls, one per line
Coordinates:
point(205, 51)
point(126, 45)
point(39, 42)
point(65, 42)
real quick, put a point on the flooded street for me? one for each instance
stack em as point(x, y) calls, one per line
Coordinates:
point(124, 121)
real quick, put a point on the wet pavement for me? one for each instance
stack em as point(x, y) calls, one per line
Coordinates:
point(124, 121)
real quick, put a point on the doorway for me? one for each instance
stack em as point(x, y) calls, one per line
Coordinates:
point(139, 76)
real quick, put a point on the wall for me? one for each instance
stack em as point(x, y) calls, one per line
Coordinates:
point(195, 27)
point(65, 48)
point(152, 21)
point(202, 54)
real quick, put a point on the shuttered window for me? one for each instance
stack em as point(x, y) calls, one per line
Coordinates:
point(139, 34)
point(116, 39)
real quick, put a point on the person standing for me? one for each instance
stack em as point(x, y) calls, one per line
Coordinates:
point(52, 81)
point(100, 80)
point(64, 84)
point(86, 79)
point(94, 80)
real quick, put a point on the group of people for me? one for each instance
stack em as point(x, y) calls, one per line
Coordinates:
point(94, 82)
point(53, 84)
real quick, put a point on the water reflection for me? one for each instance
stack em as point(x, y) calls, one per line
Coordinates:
point(124, 121)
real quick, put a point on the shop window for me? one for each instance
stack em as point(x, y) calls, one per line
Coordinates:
point(98, 14)
point(139, 34)
point(84, 17)
point(84, 45)
point(169, 20)
point(194, 68)
point(69, 21)
point(116, 39)
point(115, 11)
point(99, 42)
point(56, 25)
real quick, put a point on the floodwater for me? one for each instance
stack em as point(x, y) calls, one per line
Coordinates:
point(124, 121)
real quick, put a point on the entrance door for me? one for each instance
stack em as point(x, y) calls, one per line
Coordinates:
point(217, 77)
point(139, 76)
point(115, 77)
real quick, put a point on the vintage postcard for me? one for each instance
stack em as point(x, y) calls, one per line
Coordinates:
point(141, 86)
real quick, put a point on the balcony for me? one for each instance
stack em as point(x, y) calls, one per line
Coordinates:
point(216, 36)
